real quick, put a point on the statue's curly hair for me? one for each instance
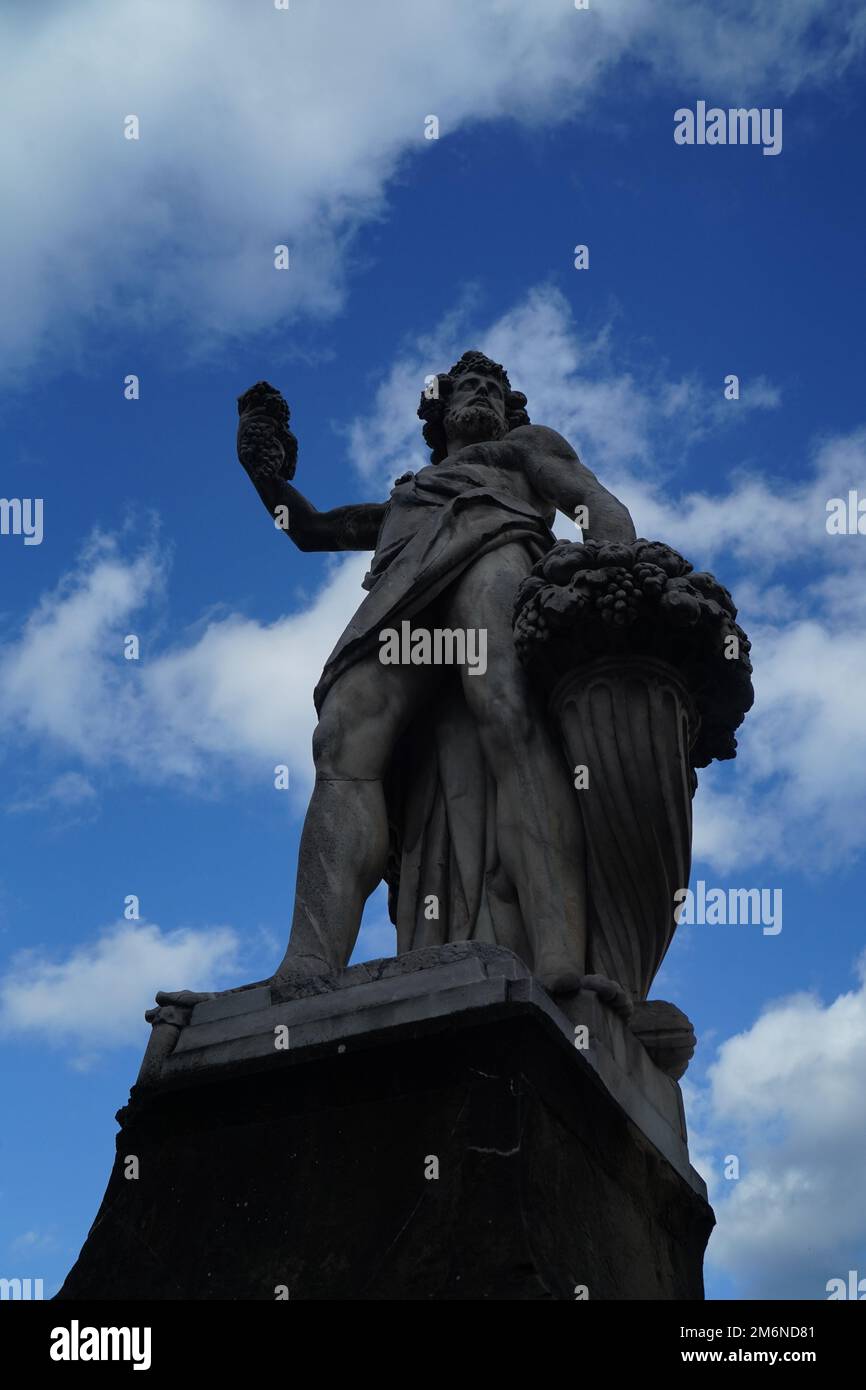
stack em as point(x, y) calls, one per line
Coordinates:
point(433, 408)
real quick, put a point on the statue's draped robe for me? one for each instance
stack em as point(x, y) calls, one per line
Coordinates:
point(440, 794)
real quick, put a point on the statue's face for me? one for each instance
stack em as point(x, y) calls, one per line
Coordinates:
point(476, 410)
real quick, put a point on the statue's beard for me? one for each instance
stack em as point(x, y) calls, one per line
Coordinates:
point(475, 423)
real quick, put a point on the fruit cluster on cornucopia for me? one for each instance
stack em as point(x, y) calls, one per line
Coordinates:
point(593, 600)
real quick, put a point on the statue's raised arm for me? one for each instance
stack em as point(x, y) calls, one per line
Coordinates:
point(268, 451)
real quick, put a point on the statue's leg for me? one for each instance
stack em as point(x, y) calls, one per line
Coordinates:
point(344, 844)
point(539, 829)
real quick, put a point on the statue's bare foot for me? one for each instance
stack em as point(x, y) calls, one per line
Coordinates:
point(610, 993)
point(565, 981)
point(184, 998)
point(187, 998)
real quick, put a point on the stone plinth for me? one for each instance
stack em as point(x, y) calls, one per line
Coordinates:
point(308, 1170)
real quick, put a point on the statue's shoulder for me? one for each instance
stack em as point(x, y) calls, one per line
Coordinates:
point(539, 440)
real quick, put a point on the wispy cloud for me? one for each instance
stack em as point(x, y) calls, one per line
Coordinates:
point(71, 792)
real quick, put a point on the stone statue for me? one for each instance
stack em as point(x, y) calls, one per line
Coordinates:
point(508, 734)
point(500, 856)
point(460, 783)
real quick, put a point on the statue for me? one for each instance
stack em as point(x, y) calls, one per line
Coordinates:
point(451, 547)
point(461, 786)
point(508, 734)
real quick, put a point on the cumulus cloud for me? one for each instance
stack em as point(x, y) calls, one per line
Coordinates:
point(785, 1098)
point(754, 518)
point(614, 417)
point(796, 793)
point(238, 688)
point(260, 127)
point(91, 999)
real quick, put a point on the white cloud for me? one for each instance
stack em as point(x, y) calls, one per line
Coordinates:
point(92, 998)
point(784, 47)
point(615, 418)
point(795, 794)
point(785, 1097)
point(762, 522)
point(237, 689)
point(261, 126)
point(71, 791)
point(244, 689)
point(95, 997)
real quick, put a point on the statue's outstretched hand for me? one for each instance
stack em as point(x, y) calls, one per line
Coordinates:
point(266, 446)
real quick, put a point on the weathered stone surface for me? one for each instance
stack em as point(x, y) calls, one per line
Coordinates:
point(305, 1168)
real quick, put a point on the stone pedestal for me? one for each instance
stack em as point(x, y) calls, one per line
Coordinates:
point(311, 1171)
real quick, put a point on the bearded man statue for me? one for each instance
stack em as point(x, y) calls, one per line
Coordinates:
point(450, 782)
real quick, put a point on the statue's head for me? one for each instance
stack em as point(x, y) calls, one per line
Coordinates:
point(471, 403)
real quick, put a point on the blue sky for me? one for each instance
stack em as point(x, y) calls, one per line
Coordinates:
point(155, 257)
